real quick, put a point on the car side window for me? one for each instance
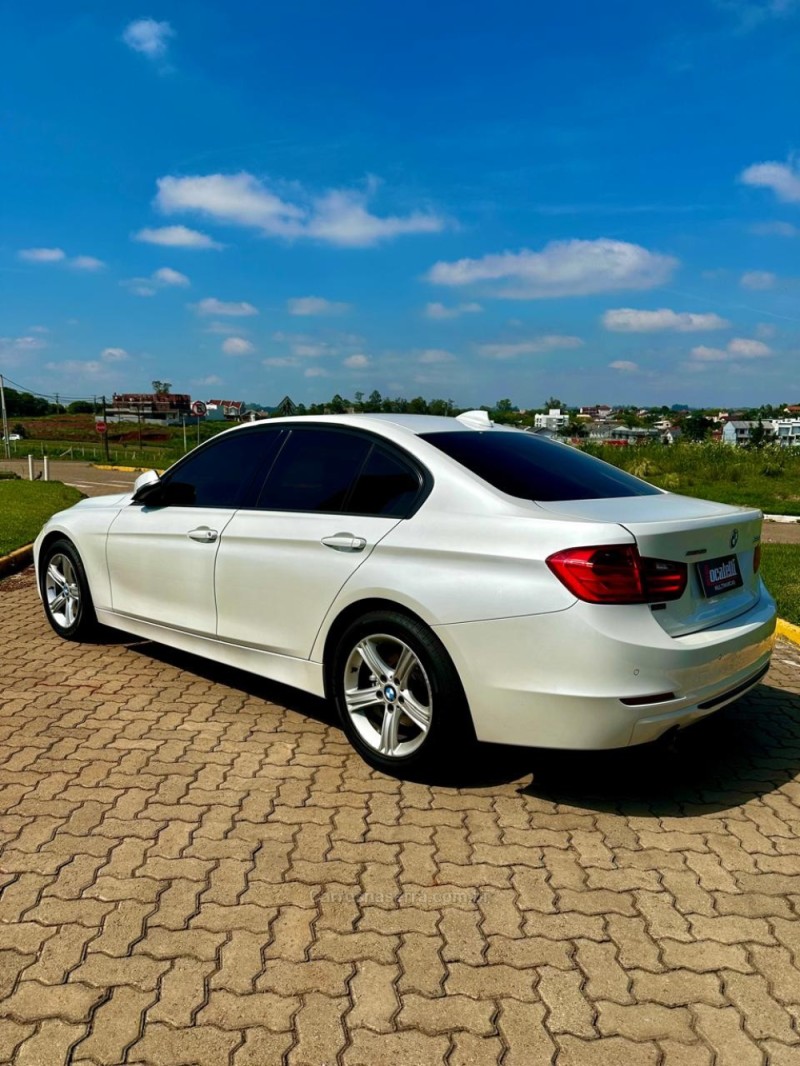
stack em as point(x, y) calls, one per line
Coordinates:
point(221, 474)
point(315, 471)
point(387, 486)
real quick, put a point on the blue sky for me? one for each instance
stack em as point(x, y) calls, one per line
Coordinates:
point(470, 201)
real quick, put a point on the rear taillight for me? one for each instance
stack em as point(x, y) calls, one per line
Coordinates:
point(757, 559)
point(618, 574)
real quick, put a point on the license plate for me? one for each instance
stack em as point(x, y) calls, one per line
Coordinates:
point(719, 575)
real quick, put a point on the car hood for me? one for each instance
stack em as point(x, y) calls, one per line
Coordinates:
point(117, 500)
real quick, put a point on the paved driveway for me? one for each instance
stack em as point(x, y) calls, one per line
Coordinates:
point(197, 869)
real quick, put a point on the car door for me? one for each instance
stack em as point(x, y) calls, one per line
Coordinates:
point(161, 555)
point(331, 496)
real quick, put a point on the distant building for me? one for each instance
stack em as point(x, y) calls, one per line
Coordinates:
point(554, 420)
point(285, 408)
point(785, 431)
point(225, 410)
point(737, 431)
point(159, 408)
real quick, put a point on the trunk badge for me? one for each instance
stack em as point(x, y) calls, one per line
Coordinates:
point(734, 538)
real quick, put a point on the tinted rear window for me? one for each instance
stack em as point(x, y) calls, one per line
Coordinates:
point(531, 468)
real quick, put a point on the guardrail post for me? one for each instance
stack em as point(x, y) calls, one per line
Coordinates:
point(46, 468)
point(30, 468)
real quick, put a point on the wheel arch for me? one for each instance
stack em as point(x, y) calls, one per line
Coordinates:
point(348, 615)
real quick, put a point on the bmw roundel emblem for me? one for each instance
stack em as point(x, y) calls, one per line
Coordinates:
point(734, 538)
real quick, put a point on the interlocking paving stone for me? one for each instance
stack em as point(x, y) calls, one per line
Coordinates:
point(196, 868)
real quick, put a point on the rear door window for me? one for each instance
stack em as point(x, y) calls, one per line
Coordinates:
point(315, 471)
point(532, 468)
point(387, 487)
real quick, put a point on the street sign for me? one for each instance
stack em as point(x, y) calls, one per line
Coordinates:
point(101, 427)
point(198, 408)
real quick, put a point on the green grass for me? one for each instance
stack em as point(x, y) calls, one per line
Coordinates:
point(768, 478)
point(780, 569)
point(26, 505)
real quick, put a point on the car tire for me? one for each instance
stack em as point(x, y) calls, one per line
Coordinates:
point(398, 695)
point(65, 592)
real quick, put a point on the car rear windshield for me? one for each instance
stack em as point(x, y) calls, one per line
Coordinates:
point(532, 468)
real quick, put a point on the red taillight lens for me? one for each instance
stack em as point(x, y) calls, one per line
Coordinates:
point(757, 558)
point(618, 574)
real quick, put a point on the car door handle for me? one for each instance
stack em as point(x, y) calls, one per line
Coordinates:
point(203, 534)
point(345, 542)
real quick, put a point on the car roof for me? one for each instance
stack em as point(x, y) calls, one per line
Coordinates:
point(416, 424)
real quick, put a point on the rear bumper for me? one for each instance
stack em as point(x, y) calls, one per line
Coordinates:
point(558, 680)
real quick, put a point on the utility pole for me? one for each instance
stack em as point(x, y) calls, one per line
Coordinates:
point(105, 435)
point(6, 441)
point(183, 419)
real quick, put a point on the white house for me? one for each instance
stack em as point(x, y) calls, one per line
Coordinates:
point(553, 420)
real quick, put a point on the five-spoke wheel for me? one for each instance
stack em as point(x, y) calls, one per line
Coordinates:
point(65, 591)
point(398, 694)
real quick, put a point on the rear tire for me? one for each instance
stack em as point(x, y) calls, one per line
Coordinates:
point(65, 592)
point(399, 698)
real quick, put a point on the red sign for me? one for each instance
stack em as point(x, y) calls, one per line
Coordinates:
point(101, 427)
point(198, 408)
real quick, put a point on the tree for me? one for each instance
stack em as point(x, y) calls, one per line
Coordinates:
point(337, 405)
point(696, 426)
point(759, 436)
point(374, 401)
point(504, 406)
point(80, 407)
point(161, 388)
point(553, 404)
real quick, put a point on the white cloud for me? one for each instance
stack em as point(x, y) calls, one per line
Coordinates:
point(738, 348)
point(628, 320)
point(306, 350)
point(561, 268)
point(765, 330)
point(42, 255)
point(625, 365)
point(441, 311)
point(15, 351)
point(211, 379)
point(279, 360)
point(237, 346)
point(547, 343)
point(758, 279)
point(75, 368)
point(139, 286)
point(748, 349)
point(782, 178)
point(339, 216)
point(39, 329)
point(168, 276)
point(315, 372)
point(750, 14)
point(436, 355)
point(212, 306)
point(86, 262)
point(775, 229)
point(357, 362)
point(176, 237)
point(315, 305)
point(148, 37)
point(113, 355)
point(225, 329)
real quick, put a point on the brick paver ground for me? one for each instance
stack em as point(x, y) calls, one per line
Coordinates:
point(196, 869)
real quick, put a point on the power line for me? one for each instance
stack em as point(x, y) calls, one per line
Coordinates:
point(44, 395)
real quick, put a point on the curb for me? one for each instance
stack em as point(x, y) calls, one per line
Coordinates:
point(122, 469)
point(788, 631)
point(16, 560)
point(787, 518)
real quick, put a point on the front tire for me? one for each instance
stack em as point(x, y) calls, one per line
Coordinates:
point(65, 592)
point(399, 698)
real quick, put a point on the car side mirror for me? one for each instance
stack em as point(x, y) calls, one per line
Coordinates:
point(143, 481)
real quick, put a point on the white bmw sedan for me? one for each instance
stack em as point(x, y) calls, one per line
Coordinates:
point(441, 580)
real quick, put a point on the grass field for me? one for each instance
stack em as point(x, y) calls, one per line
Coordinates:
point(780, 569)
point(768, 478)
point(26, 505)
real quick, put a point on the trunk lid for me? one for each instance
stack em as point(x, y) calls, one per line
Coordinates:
point(694, 532)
